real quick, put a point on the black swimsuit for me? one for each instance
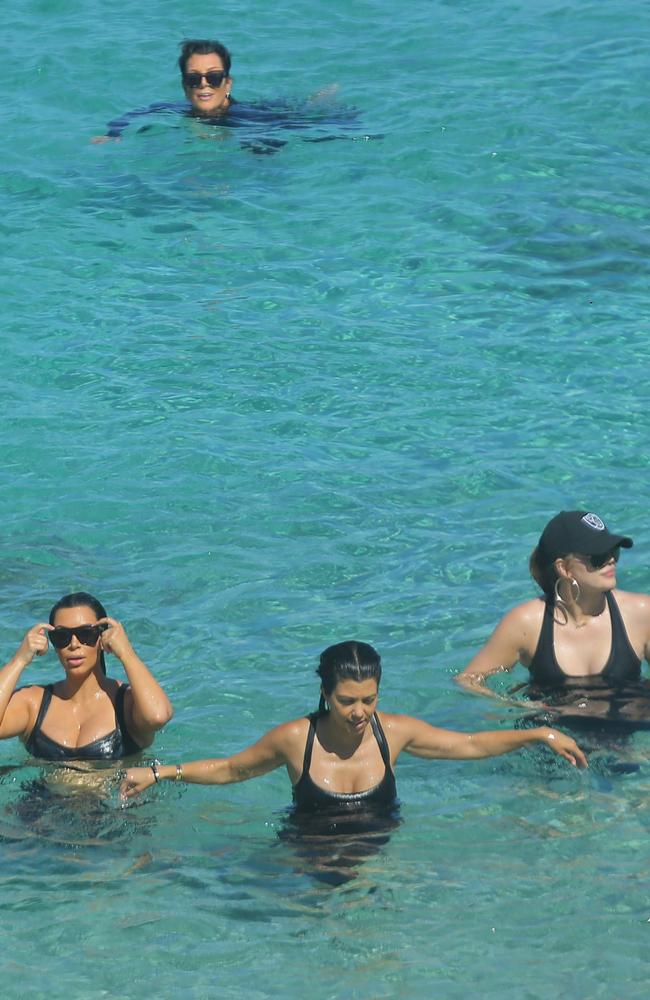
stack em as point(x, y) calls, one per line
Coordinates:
point(623, 665)
point(261, 122)
point(113, 746)
point(310, 797)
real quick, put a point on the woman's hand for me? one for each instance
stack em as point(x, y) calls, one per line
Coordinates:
point(34, 644)
point(114, 639)
point(135, 781)
point(564, 746)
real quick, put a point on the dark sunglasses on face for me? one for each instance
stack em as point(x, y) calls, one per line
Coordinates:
point(87, 635)
point(213, 79)
point(597, 562)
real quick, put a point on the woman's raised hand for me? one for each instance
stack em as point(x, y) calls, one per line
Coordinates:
point(114, 639)
point(34, 644)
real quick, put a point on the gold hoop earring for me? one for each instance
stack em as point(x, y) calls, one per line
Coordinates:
point(575, 590)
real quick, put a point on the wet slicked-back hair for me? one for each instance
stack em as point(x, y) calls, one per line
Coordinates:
point(203, 47)
point(347, 661)
point(81, 600)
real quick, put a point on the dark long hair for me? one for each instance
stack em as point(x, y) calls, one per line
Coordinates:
point(81, 600)
point(347, 661)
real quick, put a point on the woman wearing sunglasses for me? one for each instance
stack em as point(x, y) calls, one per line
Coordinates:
point(262, 126)
point(87, 715)
point(582, 640)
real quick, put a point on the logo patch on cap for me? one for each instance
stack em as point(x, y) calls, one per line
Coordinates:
point(594, 522)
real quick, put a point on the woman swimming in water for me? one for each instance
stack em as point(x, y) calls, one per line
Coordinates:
point(582, 640)
point(87, 715)
point(341, 758)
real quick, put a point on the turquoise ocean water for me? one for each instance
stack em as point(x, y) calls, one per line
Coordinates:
point(259, 404)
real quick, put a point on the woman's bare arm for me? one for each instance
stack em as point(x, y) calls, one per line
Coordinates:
point(270, 752)
point(515, 638)
point(16, 707)
point(423, 740)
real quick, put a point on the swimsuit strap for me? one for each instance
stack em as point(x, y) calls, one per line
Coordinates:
point(119, 707)
point(615, 615)
point(45, 704)
point(381, 741)
point(306, 761)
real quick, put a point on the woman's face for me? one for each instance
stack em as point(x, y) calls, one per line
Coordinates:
point(76, 657)
point(206, 98)
point(352, 704)
point(597, 572)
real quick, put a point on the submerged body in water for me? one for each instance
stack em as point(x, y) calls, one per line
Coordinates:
point(205, 66)
point(333, 832)
point(262, 127)
point(592, 703)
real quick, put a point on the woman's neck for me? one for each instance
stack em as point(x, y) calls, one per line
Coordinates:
point(83, 689)
point(337, 739)
point(591, 604)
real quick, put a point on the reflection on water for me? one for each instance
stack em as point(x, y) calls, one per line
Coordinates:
point(73, 805)
point(592, 704)
point(602, 718)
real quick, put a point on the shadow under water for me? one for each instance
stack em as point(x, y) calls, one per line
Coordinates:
point(602, 717)
point(331, 847)
point(71, 805)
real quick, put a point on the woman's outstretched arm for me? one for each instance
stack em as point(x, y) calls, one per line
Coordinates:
point(270, 752)
point(422, 740)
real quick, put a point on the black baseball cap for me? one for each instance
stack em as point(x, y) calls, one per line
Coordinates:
point(577, 531)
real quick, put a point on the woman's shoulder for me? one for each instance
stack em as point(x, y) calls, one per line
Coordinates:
point(632, 604)
point(29, 699)
point(528, 613)
point(32, 694)
point(289, 732)
point(396, 722)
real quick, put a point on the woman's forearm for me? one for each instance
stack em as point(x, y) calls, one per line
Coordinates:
point(493, 743)
point(497, 742)
point(212, 771)
point(216, 771)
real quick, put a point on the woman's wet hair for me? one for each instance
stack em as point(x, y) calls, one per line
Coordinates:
point(203, 47)
point(81, 600)
point(543, 574)
point(347, 661)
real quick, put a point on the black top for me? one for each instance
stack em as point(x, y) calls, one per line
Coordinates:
point(116, 744)
point(310, 797)
point(623, 665)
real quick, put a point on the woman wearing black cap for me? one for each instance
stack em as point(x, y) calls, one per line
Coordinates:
point(582, 636)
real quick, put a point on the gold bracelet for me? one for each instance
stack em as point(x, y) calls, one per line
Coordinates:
point(179, 772)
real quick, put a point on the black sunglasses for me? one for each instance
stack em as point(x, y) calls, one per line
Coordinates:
point(87, 635)
point(213, 79)
point(597, 562)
